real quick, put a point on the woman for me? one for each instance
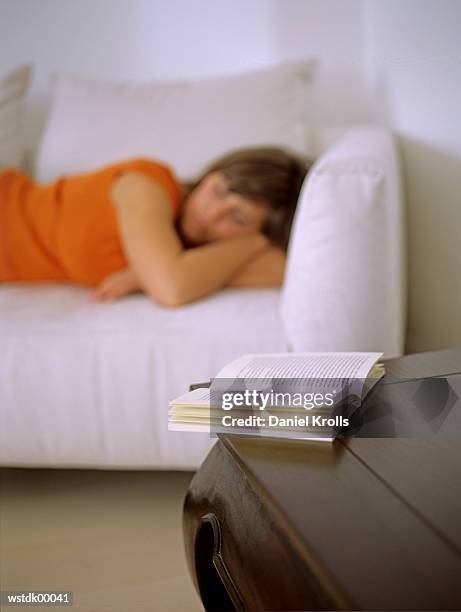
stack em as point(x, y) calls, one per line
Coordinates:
point(131, 226)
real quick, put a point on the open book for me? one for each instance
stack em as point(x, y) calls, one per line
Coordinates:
point(289, 395)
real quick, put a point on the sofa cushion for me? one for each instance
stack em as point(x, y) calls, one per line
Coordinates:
point(88, 384)
point(186, 124)
point(13, 88)
point(344, 284)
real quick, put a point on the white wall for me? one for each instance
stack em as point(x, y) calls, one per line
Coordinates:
point(412, 53)
point(169, 39)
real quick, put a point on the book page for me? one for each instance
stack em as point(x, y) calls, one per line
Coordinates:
point(197, 397)
point(301, 365)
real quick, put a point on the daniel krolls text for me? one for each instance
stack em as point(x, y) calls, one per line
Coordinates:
point(262, 400)
point(275, 421)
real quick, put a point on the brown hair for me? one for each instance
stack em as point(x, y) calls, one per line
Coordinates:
point(270, 175)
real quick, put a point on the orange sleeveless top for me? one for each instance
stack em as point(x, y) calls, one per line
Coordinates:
point(67, 230)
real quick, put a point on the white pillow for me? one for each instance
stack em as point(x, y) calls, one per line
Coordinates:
point(13, 88)
point(344, 283)
point(185, 124)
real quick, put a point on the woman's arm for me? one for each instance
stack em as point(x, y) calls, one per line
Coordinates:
point(168, 273)
point(265, 270)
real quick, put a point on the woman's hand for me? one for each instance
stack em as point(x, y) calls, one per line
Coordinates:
point(117, 285)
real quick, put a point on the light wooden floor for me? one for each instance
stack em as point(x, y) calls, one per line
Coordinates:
point(113, 538)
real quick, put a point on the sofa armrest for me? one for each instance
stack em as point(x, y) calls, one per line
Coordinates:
point(345, 282)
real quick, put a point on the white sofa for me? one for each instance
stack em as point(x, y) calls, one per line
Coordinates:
point(88, 385)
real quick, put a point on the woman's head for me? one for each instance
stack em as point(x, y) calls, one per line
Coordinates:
point(244, 192)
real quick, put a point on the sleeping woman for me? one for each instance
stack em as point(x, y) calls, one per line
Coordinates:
point(132, 226)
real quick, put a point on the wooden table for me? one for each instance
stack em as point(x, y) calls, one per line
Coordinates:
point(363, 524)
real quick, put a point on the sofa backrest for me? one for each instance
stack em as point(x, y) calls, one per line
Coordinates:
point(186, 124)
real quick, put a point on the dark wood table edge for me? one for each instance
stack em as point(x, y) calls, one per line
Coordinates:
point(341, 601)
